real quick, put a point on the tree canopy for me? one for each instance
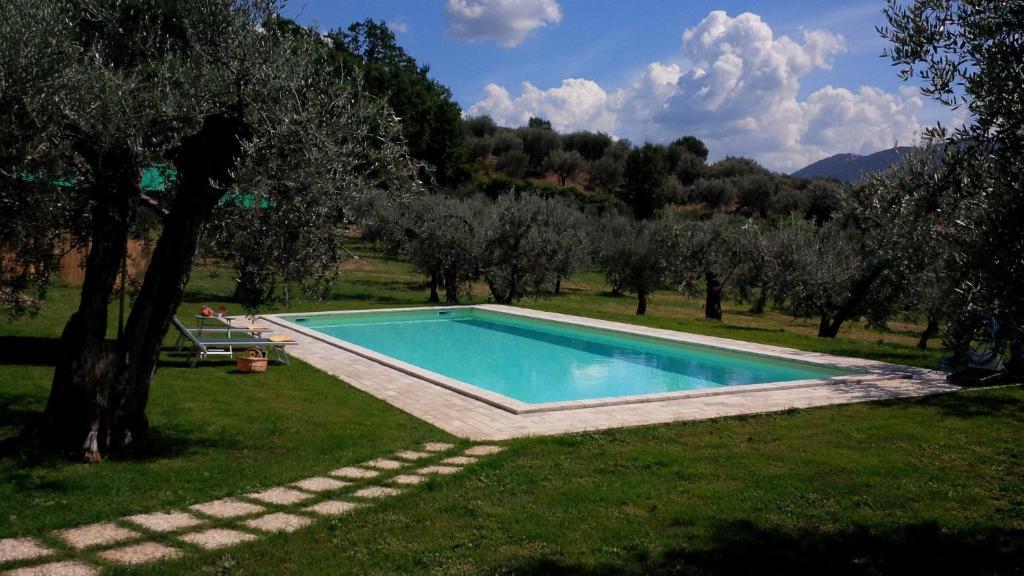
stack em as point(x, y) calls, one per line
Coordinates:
point(431, 120)
point(224, 94)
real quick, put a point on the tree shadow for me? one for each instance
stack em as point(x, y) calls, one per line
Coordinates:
point(371, 297)
point(735, 328)
point(25, 455)
point(200, 296)
point(744, 548)
point(973, 405)
point(29, 350)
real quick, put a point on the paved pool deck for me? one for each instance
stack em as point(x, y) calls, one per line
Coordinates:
point(468, 413)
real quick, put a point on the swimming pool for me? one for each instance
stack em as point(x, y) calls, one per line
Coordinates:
point(536, 363)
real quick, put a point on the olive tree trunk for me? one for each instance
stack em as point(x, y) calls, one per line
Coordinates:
point(451, 287)
point(86, 363)
point(929, 331)
point(641, 302)
point(119, 379)
point(712, 297)
point(432, 284)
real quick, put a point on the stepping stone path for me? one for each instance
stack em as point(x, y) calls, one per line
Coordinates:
point(13, 549)
point(413, 455)
point(121, 543)
point(437, 447)
point(279, 522)
point(227, 508)
point(66, 568)
point(385, 464)
point(165, 521)
point(140, 553)
point(438, 470)
point(331, 508)
point(281, 496)
point(355, 473)
point(376, 492)
point(96, 534)
point(483, 450)
point(215, 538)
point(408, 479)
point(320, 484)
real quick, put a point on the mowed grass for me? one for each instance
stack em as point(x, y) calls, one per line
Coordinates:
point(930, 484)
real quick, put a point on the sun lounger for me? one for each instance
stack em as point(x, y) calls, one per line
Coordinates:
point(203, 347)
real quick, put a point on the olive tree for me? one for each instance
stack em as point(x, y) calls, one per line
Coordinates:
point(865, 261)
point(970, 54)
point(709, 255)
point(634, 255)
point(563, 164)
point(93, 91)
point(528, 244)
point(564, 240)
point(443, 233)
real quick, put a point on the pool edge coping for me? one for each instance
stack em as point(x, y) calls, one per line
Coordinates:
point(874, 371)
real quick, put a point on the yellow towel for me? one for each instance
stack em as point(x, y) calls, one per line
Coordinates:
point(279, 339)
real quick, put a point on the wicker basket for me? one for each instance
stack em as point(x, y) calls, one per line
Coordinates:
point(252, 360)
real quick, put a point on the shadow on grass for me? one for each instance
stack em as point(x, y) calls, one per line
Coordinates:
point(29, 351)
point(200, 297)
point(23, 454)
point(373, 297)
point(744, 548)
point(997, 404)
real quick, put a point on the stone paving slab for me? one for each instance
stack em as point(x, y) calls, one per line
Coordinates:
point(278, 522)
point(413, 455)
point(103, 533)
point(331, 507)
point(281, 496)
point(408, 479)
point(470, 418)
point(483, 450)
point(459, 461)
point(376, 492)
point(355, 473)
point(216, 538)
point(320, 484)
point(438, 470)
point(140, 553)
point(12, 549)
point(437, 447)
point(165, 521)
point(65, 568)
point(227, 508)
point(384, 464)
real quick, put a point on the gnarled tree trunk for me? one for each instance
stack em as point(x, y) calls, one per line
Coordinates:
point(712, 297)
point(828, 327)
point(432, 283)
point(205, 162)
point(86, 364)
point(451, 287)
point(929, 332)
point(99, 394)
point(641, 302)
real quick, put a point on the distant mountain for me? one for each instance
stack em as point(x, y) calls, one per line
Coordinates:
point(853, 167)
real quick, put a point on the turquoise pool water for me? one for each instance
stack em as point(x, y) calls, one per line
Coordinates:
point(537, 361)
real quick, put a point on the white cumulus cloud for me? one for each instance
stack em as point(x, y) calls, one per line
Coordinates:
point(736, 86)
point(575, 105)
point(507, 22)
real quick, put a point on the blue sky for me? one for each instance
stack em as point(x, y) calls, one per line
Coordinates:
point(786, 83)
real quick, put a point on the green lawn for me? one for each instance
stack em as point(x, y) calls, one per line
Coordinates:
point(931, 484)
